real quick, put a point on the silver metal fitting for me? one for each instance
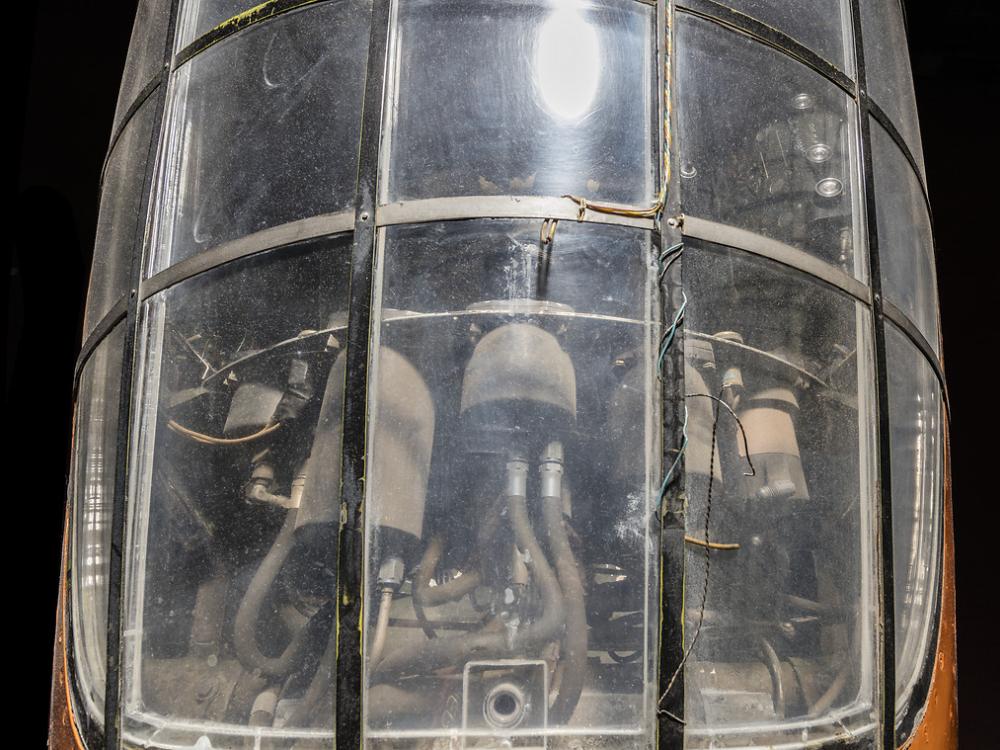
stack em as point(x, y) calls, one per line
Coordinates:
point(391, 572)
point(517, 477)
point(550, 470)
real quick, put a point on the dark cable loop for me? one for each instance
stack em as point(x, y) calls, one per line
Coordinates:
point(743, 432)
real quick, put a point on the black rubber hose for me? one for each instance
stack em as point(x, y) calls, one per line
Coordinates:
point(444, 652)
point(245, 626)
point(575, 638)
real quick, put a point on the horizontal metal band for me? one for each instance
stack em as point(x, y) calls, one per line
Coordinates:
point(111, 318)
point(499, 207)
point(250, 17)
point(134, 107)
point(898, 318)
point(770, 36)
point(893, 132)
point(265, 239)
point(765, 247)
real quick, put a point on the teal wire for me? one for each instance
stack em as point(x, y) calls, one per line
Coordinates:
point(680, 453)
point(671, 332)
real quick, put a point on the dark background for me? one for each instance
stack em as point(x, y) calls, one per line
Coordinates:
point(66, 63)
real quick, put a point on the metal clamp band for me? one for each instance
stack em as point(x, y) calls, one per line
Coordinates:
point(741, 239)
point(266, 239)
point(497, 207)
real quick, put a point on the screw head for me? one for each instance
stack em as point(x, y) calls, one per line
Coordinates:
point(819, 153)
point(829, 187)
point(802, 101)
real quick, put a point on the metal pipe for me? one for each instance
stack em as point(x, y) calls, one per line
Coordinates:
point(381, 626)
point(575, 639)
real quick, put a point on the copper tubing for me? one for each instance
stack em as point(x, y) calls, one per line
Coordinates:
point(575, 639)
point(245, 626)
point(445, 652)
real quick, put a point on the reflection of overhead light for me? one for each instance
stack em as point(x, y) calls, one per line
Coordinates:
point(567, 64)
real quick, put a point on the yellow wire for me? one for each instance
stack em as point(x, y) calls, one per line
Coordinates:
point(654, 210)
point(711, 545)
point(212, 440)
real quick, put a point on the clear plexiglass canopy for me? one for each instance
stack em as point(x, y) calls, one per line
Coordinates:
point(543, 366)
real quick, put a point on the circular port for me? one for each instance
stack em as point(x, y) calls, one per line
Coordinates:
point(819, 153)
point(802, 101)
point(829, 187)
point(504, 707)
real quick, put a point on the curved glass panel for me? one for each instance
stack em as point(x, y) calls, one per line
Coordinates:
point(887, 68)
point(264, 129)
point(93, 490)
point(780, 616)
point(532, 97)
point(232, 547)
point(824, 26)
point(905, 244)
point(917, 466)
point(512, 563)
point(198, 17)
point(119, 221)
point(146, 52)
point(765, 144)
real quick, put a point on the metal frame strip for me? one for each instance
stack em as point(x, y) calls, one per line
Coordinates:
point(351, 548)
point(898, 318)
point(144, 93)
point(886, 678)
point(670, 514)
point(250, 17)
point(769, 36)
point(498, 207)
point(266, 239)
point(893, 132)
point(116, 572)
point(765, 247)
point(104, 326)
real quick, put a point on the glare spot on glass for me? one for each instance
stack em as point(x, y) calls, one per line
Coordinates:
point(567, 64)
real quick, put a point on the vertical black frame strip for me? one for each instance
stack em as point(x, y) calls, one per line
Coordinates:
point(112, 694)
point(350, 569)
point(672, 505)
point(887, 648)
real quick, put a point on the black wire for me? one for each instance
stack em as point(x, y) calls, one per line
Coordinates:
point(708, 557)
point(743, 432)
point(667, 258)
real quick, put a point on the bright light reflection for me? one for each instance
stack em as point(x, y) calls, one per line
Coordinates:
point(567, 64)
